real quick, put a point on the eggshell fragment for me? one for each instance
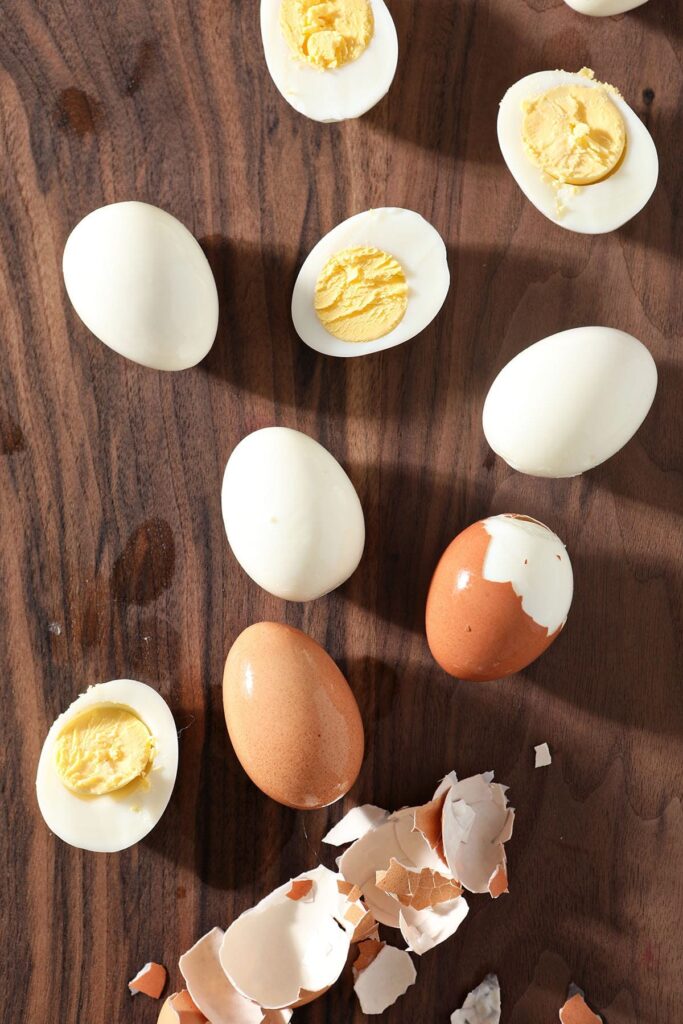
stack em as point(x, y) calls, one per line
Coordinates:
point(384, 980)
point(149, 980)
point(179, 1008)
point(499, 597)
point(575, 1011)
point(140, 282)
point(417, 889)
point(482, 1005)
point(355, 824)
point(285, 952)
point(209, 986)
point(300, 889)
point(367, 952)
point(543, 756)
point(477, 822)
point(424, 929)
point(292, 717)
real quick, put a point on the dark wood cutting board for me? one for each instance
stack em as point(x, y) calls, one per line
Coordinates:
point(113, 557)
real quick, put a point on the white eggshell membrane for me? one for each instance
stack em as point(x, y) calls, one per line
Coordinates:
point(283, 948)
point(292, 516)
point(569, 402)
point(535, 562)
point(603, 8)
point(209, 986)
point(589, 209)
point(112, 821)
point(407, 237)
point(336, 94)
point(425, 929)
point(140, 282)
point(388, 977)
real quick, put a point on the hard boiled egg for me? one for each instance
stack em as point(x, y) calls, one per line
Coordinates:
point(140, 282)
point(500, 595)
point(331, 61)
point(577, 150)
point(292, 516)
point(604, 8)
point(108, 766)
point(570, 401)
point(374, 281)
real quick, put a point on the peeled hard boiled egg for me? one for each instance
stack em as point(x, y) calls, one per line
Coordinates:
point(374, 281)
point(570, 401)
point(292, 717)
point(140, 282)
point(577, 150)
point(500, 595)
point(292, 516)
point(603, 8)
point(331, 61)
point(108, 766)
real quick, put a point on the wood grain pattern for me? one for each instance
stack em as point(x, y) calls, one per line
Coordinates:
point(113, 559)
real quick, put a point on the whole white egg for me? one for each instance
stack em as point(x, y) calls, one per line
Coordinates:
point(292, 516)
point(419, 250)
point(140, 282)
point(569, 402)
point(588, 209)
point(604, 8)
point(334, 93)
point(112, 821)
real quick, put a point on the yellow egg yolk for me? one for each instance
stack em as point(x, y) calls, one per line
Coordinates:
point(575, 133)
point(327, 34)
point(361, 294)
point(103, 749)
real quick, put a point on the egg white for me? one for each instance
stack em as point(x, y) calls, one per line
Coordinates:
point(337, 94)
point(589, 209)
point(112, 821)
point(603, 8)
point(416, 245)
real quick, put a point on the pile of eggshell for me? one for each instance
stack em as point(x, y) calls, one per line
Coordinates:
point(500, 594)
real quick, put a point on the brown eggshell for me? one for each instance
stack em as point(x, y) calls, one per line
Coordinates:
point(478, 631)
point(291, 716)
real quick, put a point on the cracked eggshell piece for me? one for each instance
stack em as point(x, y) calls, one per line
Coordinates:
point(576, 1011)
point(500, 595)
point(180, 1008)
point(477, 822)
point(111, 821)
point(570, 401)
point(355, 824)
point(425, 929)
point(140, 282)
point(482, 1005)
point(389, 976)
point(589, 209)
point(149, 980)
point(283, 953)
point(603, 8)
point(420, 890)
point(543, 757)
point(292, 717)
point(335, 94)
point(210, 988)
point(292, 516)
point(406, 236)
point(395, 838)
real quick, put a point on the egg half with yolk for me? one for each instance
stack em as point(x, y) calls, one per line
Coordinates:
point(331, 60)
point(577, 150)
point(108, 766)
point(374, 281)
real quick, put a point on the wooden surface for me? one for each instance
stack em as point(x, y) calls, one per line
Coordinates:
point(113, 558)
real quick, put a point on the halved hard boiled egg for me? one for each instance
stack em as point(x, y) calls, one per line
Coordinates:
point(374, 281)
point(577, 150)
point(604, 8)
point(331, 61)
point(108, 766)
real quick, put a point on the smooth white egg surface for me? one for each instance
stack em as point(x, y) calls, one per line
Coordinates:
point(111, 821)
point(533, 559)
point(292, 516)
point(333, 93)
point(588, 209)
point(604, 8)
point(570, 401)
point(404, 235)
point(140, 282)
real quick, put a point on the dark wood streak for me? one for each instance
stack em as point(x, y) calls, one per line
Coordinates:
point(113, 559)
